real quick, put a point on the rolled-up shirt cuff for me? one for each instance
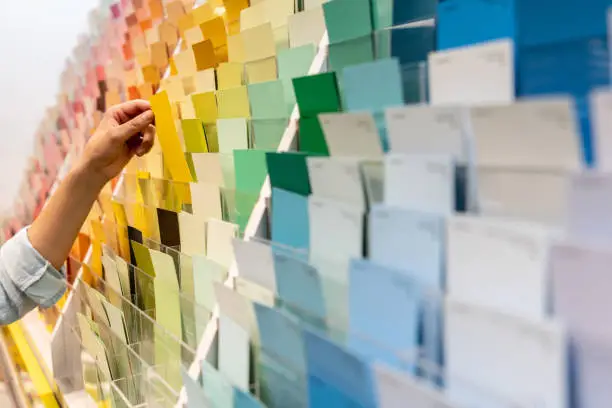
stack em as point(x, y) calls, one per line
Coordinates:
point(30, 272)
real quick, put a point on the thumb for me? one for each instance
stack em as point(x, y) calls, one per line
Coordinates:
point(135, 126)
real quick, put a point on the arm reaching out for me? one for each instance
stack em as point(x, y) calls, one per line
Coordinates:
point(30, 261)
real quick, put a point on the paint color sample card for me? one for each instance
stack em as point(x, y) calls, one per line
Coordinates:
point(490, 261)
point(473, 75)
point(428, 130)
point(409, 241)
point(267, 100)
point(219, 243)
point(234, 352)
point(420, 182)
point(373, 85)
point(395, 388)
point(337, 178)
point(347, 20)
point(218, 390)
point(600, 101)
point(290, 225)
point(392, 338)
point(317, 94)
point(233, 135)
point(255, 262)
point(306, 27)
point(538, 134)
point(351, 135)
point(336, 377)
point(520, 360)
point(289, 172)
point(336, 229)
point(589, 217)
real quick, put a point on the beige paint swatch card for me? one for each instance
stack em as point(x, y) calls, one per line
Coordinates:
point(337, 178)
point(428, 129)
point(208, 168)
point(206, 201)
point(306, 27)
point(192, 230)
point(236, 307)
point(254, 292)
point(255, 262)
point(472, 75)
point(490, 261)
point(539, 133)
point(351, 134)
point(235, 48)
point(258, 43)
point(205, 80)
point(253, 16)
point(219, 245)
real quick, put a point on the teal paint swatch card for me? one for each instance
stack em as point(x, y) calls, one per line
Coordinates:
point(196, 397)
point(387, 329)
point(290, 226)
point(347, 19)
point(352, 52)
point(373, 85)
point(336, 376)
point(299, 289)
point(289, 172)
point(281, 337)
point(245, 400)
point(267, 100)
point(217, 388)
point(410, 241)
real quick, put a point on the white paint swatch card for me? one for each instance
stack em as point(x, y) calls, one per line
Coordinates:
point(236, 307)
point(472, 75)
point(601, 123)
point(428, 129)
point(337, 178)
point(306, 27)
point(397, 390)
point(540, 133)
point(219, 244)
point(497, 360)
point(589, 214)
point(336, 229)
point(255, 262)
point(538, 196)
point(498, 264)
point(351, 134)
point(420, 182)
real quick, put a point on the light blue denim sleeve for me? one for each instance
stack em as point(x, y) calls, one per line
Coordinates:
point(27, 279)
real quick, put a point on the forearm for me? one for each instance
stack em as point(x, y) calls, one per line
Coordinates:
point(53, 233)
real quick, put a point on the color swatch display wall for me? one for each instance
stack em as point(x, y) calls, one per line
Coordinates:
point(352, 203)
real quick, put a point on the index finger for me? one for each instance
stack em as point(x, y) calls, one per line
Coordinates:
point(129, 110)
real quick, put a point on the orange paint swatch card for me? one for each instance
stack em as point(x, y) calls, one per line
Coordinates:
point(214, 30)
point(204, 55)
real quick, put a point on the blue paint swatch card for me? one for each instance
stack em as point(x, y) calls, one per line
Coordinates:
point(409, 241)
point(299, 288)
point(337, 377)
point(466, 22)
point(384, 309)
point(290, 224)
point(245, 400)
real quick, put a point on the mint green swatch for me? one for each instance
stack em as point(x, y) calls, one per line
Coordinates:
point(295, 62)
point(353, 52)
point(267, 133)
point(347, 19)
point(232, 134)
point(267, 100)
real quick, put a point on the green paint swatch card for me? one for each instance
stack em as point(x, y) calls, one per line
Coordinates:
point(289, 171)
point(347, 19)
point(267, 133)
point(311, 137)
point(251, 170)
point(353, 52)
point(295, 62)
point(317, 94)
point(193, 133)
point(267, 100)
point(232, 135)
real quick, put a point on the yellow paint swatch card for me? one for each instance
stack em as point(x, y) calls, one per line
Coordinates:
point(202, 13)
point(277, 12)
point(208, 168)
point(261, 71)
point(281, 38)
point(214, 30)
point(152, 36)
point(210, 129)
point(235, 48)
point(206, 200)
point(204, 55)
point(233, 103)
point(205, 80)
point(193, 134)
point(185, 23)
point(233, 9)
point(230, 75)
point(174, 157)
point(253, 16)
point(185, 63)
point(205, 105)
point(219, 246)
point(193, 36)
point(192, 230)
point(258, 43)
point(151, 75)
point(173, 85)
